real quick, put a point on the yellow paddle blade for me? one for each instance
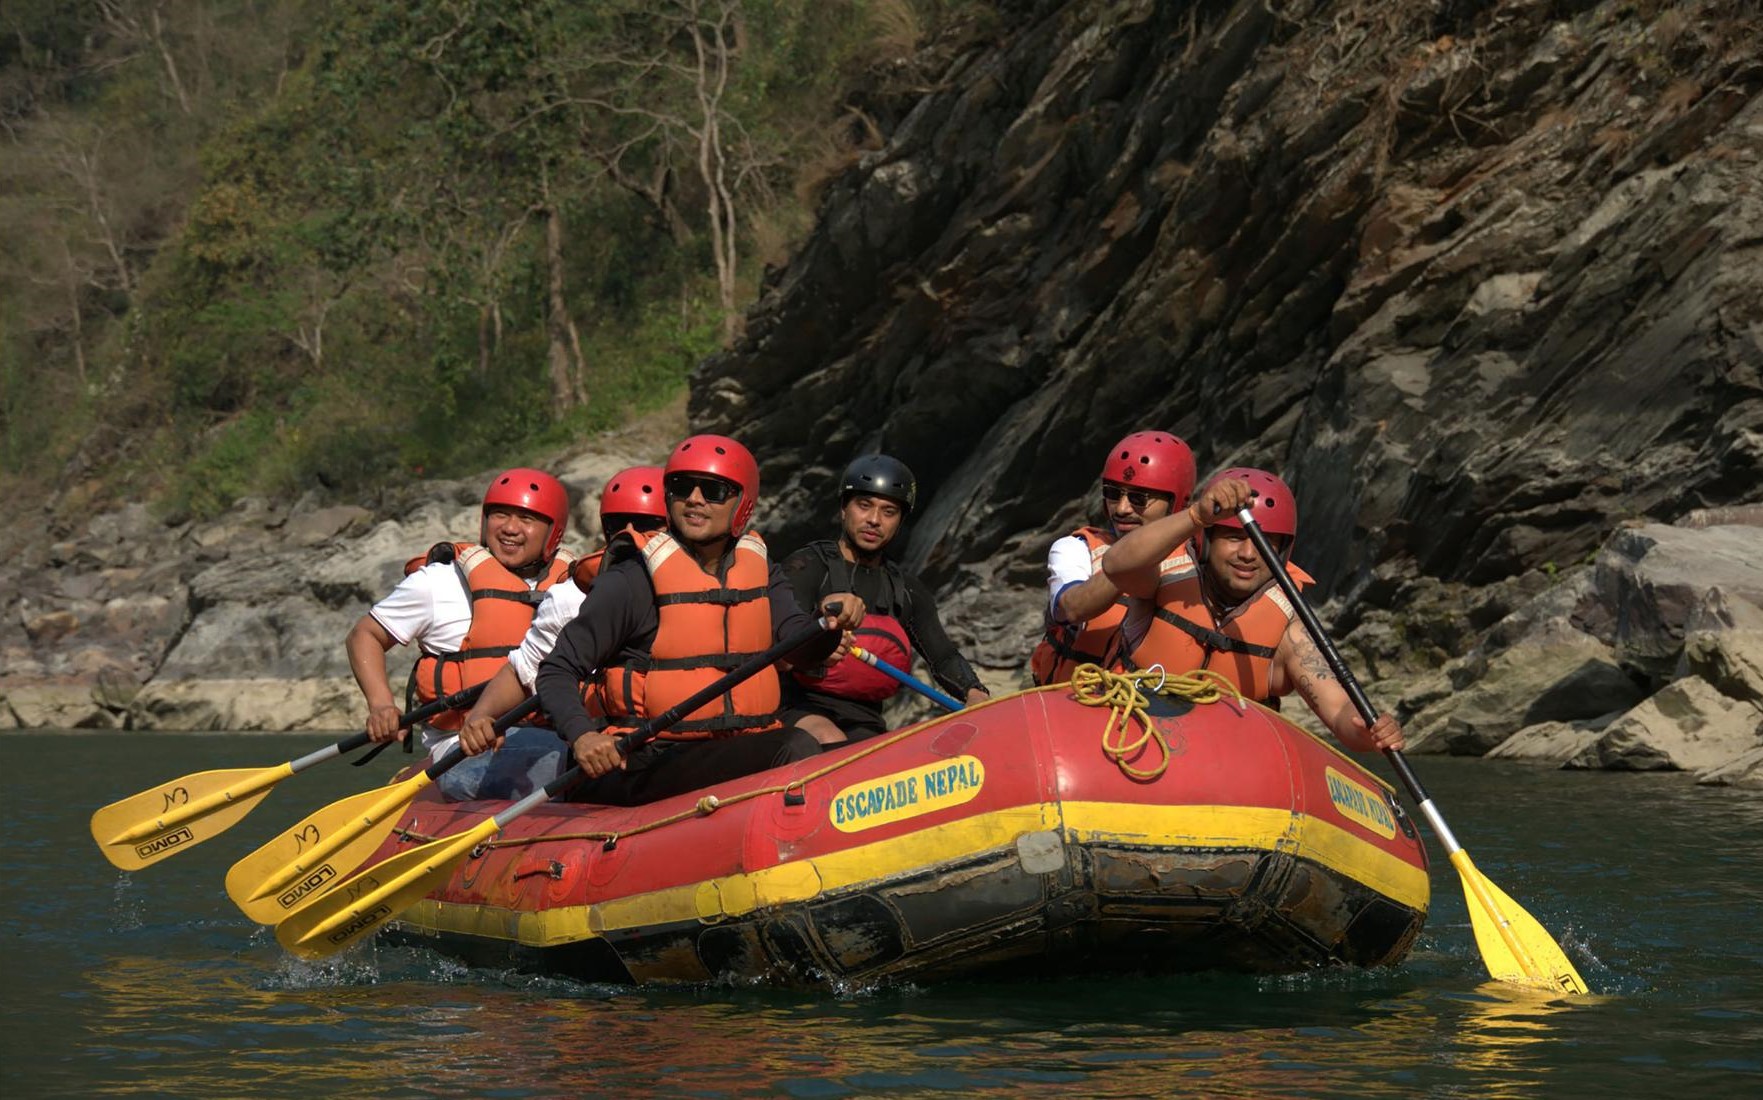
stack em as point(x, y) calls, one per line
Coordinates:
point(319, 851)
point(147, 827)
point(361, 905)
point(1514, 946)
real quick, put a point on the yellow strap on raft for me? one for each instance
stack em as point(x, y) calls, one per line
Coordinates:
point(1125, 693)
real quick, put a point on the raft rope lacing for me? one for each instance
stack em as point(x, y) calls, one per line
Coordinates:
point(704, 807)
point(1091, 685)
point(1125, 693)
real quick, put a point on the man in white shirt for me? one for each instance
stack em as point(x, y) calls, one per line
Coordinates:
point(1144, 477)
point(467, 608)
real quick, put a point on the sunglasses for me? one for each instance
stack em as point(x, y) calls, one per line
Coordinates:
point(1138, 498)
point(639, 524)
point(713, 489)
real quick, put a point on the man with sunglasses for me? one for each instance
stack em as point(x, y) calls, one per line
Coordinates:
point(1145, 477)
point(1217, 606)
point(630, 503)
point(844, 703)
point(671, 613)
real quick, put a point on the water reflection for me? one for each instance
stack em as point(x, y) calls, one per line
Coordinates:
point(1500, 1034)
point(452, 1031)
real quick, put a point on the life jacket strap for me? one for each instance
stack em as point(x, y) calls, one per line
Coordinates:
point(722, 597)
point(1214, 640)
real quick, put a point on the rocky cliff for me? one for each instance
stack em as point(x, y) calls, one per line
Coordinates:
point(1483, 280)
point(1480, 278)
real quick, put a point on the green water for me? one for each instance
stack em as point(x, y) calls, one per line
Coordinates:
point(151, 983)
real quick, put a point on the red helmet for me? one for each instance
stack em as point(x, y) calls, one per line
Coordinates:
point(720, 456)
point(635, 491)
point(1153, 460)
point(537, 492)
point(1274, 507)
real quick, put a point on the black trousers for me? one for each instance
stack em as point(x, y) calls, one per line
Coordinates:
point(859, 718)
point(662, 769)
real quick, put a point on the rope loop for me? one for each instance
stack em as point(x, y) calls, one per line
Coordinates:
point(1126, 695)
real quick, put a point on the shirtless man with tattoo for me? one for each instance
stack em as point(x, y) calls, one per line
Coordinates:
point(1216, 605)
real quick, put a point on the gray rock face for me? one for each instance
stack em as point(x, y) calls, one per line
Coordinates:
point(1479, 282)
point(1723, 644)
point(1651, 580)
point(1562, 679)
point(1687, 726)
point(237, 623)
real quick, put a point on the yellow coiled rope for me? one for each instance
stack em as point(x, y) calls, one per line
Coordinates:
point(1125, 693)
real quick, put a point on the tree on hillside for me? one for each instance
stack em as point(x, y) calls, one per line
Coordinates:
point(658, 88)
point(103, 108)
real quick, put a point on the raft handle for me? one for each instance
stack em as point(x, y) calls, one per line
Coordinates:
point(795, 796)
point(550, 868)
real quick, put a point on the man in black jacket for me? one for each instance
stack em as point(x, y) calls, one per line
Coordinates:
point(845, 702)
point(670, 613)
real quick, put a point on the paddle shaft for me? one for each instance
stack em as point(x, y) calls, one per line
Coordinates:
point(909, 680)
point(1422, 800)
point(461, 698)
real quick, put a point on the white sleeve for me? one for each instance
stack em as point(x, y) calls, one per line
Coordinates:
point(1068, 563)
point(561, 602)
point(408, 611)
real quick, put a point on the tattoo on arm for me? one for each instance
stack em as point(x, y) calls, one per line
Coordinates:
point(1310, 659)
point(1311, 666)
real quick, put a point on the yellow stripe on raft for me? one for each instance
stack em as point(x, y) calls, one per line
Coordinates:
point(1301, 835)
point(1196, 827)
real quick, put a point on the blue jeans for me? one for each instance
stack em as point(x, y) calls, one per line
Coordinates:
point(528, 758)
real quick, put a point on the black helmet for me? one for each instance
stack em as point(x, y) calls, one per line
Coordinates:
point(880, 476)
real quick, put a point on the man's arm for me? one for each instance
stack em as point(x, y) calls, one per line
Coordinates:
point(611, 617)
point(945, 662)
point(1077, 593)
point(1306, 671)
point(807, 574)
point(367, 644)
point(1135, 562)
point(788, 618)
point(499, 696)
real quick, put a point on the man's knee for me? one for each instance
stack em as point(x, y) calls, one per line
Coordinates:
point(795, 745)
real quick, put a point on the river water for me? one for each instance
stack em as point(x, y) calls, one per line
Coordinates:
point(151, 983)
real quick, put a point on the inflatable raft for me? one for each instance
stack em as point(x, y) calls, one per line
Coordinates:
point(1010, 837)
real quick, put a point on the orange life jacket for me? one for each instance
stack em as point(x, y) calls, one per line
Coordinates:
point(706, 628)
point(1184, 636)
point(588, 568)
point(502, 609)
point(1067, 645)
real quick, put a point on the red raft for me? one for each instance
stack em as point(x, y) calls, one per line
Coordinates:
point(1000, 839)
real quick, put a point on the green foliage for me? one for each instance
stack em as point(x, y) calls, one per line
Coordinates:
point(359, 288)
